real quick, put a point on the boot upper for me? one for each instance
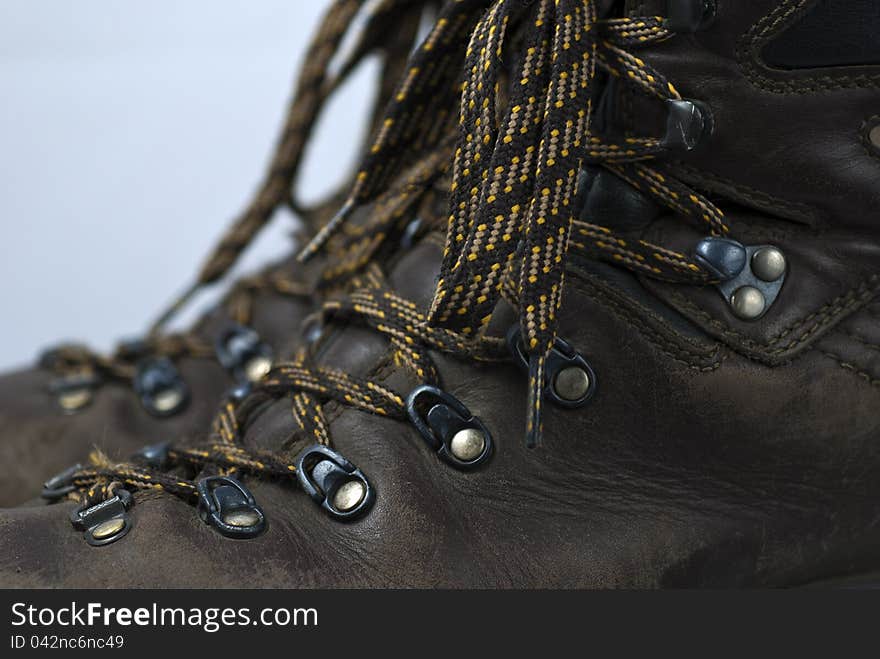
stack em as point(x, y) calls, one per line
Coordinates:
point(715, 448)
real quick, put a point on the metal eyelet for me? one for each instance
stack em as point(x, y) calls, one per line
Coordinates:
point(690, 16)
point(74, 393)
point(750, 277)
point(570, 380)
point(105, 522)
point(61, 484)
point(154, 456)
point(688, 123)
point(229, 507)
point(162, 390)
point(334, 483)
point(871, 134)
point(241, 351)
point(458, 437)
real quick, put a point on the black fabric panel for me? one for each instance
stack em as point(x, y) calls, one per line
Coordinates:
point(832, 33)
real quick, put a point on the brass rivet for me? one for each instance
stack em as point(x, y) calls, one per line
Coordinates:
point(257, 368)
point(168, 400)
point(768, 264)
point(874, 136)
point(349, 495)
point(467, 444)
point(241, 518)
point(748, 303)
point(109, 528)
point(75, 399)
point(572, 383)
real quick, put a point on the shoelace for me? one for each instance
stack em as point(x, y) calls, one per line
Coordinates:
point(372, 304)
point(515, 178)
point(78, 365)
point(509, 232)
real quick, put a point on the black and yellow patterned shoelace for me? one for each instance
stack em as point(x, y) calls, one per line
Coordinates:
point(511, 222)
point(326, 69)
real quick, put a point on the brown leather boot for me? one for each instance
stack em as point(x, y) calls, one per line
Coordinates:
point(168, 385)
point(692, 339)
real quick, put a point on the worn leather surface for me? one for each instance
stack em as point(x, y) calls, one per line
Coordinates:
point(704, 459)
point(832, 274)
point(694, 465)
point(38, 440)
point(787, 142)
point(808, 43)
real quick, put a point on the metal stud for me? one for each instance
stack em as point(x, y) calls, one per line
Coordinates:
point(748, 303)
point(458, 437)
point(241, 518)
point(750, 278)
point(874, 136)
point(75, 399)
point(161, 388)
point(467, 444)
point(230, 508)
point(241, 351)
point(349, 495)
point(768, 263)
point(168, 400)
point(104, 522)
point(334, 483)
point(74, 393)
point(105, 529)
point(572, 383)
point(257, 368)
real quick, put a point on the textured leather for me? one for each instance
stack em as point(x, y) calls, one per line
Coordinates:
point(714, 453)
point(832, 274)
point(809, 43)
point(693, 466)
point(610, 201)
point(816, 170)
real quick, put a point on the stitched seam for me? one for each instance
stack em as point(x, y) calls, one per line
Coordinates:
point(748, 55)
point(690, 345)
point(666, 345)
point(813, 322)
point(858, 339)
point(756, 197)
point(855, 369)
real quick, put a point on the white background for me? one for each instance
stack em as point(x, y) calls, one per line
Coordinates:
point(130, 135)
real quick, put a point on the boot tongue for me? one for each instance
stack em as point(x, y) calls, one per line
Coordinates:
point(356, 350)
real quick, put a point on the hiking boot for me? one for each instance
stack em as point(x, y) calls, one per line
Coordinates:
point(168, 385)
point(650, 358)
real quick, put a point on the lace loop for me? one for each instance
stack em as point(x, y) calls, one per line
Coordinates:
point(511, 221)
